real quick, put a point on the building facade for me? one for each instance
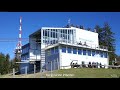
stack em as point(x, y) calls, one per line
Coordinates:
point(55, 48)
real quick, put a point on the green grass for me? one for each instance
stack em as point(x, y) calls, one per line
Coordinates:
point(73, 73)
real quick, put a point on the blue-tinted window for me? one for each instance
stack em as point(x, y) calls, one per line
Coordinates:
point(52, 50)
point(64, 49)
point(56, 49)
point(93, 53)
point(89, 52)
point(53, 34)
point(105, 54)
point(48, 52)
point(79, 51)
point(45, 33)
point(97, 52)
point(56, 35)
point(48, 34)
point(69, 49)
point(74, 50)
point(84, 52)
point(101, 54)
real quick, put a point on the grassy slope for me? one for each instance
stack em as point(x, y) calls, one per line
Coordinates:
point(73, 73)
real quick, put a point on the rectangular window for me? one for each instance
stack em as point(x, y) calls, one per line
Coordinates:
point(52, 50)
point(101, 54)
point(89, 52)
point(48, 33)
point(105, 54)
point(64, 49)
point(97, 52)
point(93, 53)
point(61, 30)
point(56, 35)
point(84, 52)
point(45, 32)
point(48, 52)
point(69, 49)
point(56, 49)
point(65, 31)
point(80, 51)
point(74, 50)
point(53, 34)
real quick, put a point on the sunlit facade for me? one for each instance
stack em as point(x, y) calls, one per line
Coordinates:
point(57, 47)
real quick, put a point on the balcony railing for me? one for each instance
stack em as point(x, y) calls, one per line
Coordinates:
point(84, 45)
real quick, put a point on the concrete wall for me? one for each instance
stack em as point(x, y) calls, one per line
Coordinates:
point(67, 58)
point(91, 38)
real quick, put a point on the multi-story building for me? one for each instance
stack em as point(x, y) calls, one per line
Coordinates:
point(58, 47)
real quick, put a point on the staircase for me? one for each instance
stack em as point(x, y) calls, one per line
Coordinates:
point(42, 59)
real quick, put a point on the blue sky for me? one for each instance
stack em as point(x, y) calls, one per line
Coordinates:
point(32, 21)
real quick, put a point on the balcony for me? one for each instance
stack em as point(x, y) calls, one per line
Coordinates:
point(71, 43)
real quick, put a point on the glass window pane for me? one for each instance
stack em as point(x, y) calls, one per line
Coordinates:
point(48, 52)
point(53, 34)
point(89, 52)
point(101, 54)
point(79, 51)
point(56, 49)
point(105, 54)
point(97, 52)
point(69, 49)
point(52, 50)
point(74, 50)
point(45, 32)
point(93, 53)
point(64, 49)
point(84, 52)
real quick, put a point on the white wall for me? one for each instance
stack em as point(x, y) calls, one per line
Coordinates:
point(67, 58)
point(91, 38)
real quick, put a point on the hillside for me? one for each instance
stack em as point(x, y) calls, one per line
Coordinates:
point(72, 73)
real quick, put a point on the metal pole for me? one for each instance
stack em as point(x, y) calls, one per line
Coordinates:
point(57, 63)
point(41, 68)
point(51, 68)
point(34, 69)
point(26, 70)
point(54, 65)
point(13, 72)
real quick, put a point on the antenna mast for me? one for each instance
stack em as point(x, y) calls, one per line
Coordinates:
point(18, 49)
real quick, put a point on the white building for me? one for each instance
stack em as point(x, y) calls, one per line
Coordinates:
point(61, 46)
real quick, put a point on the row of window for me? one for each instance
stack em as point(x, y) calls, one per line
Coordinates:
point(64, 31)
point(52, 51)
point(84, 51)
point(25, 50)
point(50, 34)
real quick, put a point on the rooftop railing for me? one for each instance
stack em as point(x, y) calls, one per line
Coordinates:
point(84, 45)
